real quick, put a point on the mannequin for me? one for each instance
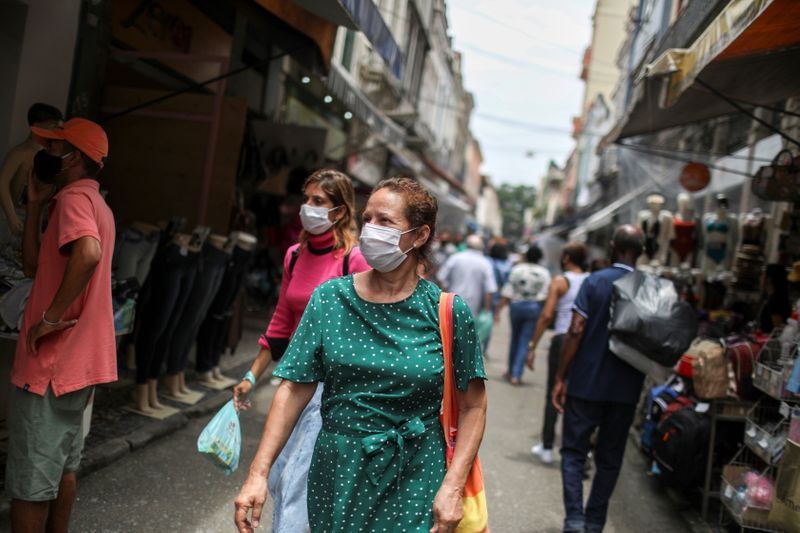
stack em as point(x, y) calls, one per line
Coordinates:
point(656, 223)
point(215, 260)
point(756, 233)
point(17, 165)
point(720, 234)
point(178, 264)
point(684, 231)
point(213, 330)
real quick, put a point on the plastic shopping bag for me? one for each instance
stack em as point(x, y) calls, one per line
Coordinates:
point(221, 439)
point(484, 324)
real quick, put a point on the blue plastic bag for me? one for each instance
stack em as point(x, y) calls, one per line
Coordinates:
point(221, 440)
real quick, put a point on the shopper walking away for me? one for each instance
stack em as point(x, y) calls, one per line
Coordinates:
point(67, 342)
point(501, 266)
point(373, 338)
point(558, 307)
point(469, 274)
point(326, 250)
point(595, 390)
point(526, 290)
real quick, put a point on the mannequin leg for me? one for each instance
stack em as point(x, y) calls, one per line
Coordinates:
point(182, 384)
point(172, 382)
point(141, 399)
point(152, 394)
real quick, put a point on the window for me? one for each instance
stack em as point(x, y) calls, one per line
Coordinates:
point(347, 50)
point(416, 50)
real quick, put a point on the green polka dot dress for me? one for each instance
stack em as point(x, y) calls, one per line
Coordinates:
point(379, 459)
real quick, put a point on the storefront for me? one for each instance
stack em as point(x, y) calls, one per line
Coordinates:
point(716, 196)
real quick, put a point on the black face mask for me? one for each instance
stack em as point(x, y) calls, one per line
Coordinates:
point(47, 167)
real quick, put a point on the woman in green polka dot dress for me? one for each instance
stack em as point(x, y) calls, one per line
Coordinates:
point(373, 338)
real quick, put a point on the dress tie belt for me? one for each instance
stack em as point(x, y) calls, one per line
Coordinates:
point(386, 451)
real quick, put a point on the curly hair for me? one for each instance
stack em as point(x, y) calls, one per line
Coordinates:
point(421, 210)
point(338, 187)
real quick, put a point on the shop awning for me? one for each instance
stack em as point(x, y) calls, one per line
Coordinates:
point(749, 52)
point(604, 216)
point(344, 87)
point(360, 15)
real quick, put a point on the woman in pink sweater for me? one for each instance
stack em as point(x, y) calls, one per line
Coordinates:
point(326, 250)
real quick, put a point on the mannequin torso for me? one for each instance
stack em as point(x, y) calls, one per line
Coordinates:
point(720, 230)
point(657, 228)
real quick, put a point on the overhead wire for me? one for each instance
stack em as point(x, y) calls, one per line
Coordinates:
point(681, 159)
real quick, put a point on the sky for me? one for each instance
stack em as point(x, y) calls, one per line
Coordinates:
point(521, 61)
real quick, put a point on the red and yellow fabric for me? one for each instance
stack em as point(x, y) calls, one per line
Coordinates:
point(476, 514)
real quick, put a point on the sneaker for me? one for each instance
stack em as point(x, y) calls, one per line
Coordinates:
point(544, 455)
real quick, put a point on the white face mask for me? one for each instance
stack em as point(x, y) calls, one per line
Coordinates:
point(380, 246)
point(315, 219)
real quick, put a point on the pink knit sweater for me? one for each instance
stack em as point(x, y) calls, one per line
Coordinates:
point(316, 264)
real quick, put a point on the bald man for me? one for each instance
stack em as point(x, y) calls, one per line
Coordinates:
point(470, 275)
point(595, 390)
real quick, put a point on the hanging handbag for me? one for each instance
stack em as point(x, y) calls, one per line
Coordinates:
point(779, 181)
point(476, 515)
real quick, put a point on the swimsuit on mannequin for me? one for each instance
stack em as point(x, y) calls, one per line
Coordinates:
point(656, 224)
point(720, 230)
point(684, 229)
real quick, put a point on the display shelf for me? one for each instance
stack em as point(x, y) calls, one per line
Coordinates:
point(744, 511)
point(766, 430)
point(771, 373)
point(719, 411)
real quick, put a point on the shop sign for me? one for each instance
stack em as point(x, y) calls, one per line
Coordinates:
point(695, 177)
point(172, 26)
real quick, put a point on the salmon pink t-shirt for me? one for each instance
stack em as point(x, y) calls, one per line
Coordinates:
point(85, 354)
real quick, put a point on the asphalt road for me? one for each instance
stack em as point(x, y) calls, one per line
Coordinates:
point(168, 486)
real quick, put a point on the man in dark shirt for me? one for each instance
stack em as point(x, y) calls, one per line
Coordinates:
point(596, 390)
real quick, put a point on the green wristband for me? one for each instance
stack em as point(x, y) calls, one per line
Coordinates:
point(250, 377)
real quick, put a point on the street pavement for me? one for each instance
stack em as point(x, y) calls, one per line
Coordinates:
point(168, 486)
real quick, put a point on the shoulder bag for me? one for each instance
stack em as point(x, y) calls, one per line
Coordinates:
point(476, 515)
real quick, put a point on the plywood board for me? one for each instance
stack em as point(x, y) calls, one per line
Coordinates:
point(155, 169)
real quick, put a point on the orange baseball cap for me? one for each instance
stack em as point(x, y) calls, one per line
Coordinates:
point(83, 134)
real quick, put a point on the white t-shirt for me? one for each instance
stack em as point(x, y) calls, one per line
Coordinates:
point(527, 282)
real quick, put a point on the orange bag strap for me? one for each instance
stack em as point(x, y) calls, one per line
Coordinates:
point(449, 413)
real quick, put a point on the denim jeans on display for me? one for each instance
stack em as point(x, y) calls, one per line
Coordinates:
point(524, 316)
point(135, 253)
point(173, 276)
point(550, 413)
point(207, 283)
point(288, 477)
point(581, 418)
point(213, 332)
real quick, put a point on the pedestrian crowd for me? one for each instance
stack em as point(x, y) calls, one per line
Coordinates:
point(353, 440)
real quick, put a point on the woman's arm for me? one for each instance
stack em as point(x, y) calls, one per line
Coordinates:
point(500, 305)
point(290, 400)
point(447, 509)
point(260, 365)
point(557, 290)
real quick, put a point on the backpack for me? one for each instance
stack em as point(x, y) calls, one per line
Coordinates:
point(711, 371)
point(680, 443)
point(657, 401)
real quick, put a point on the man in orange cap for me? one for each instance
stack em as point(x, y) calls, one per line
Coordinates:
point(67, 342)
